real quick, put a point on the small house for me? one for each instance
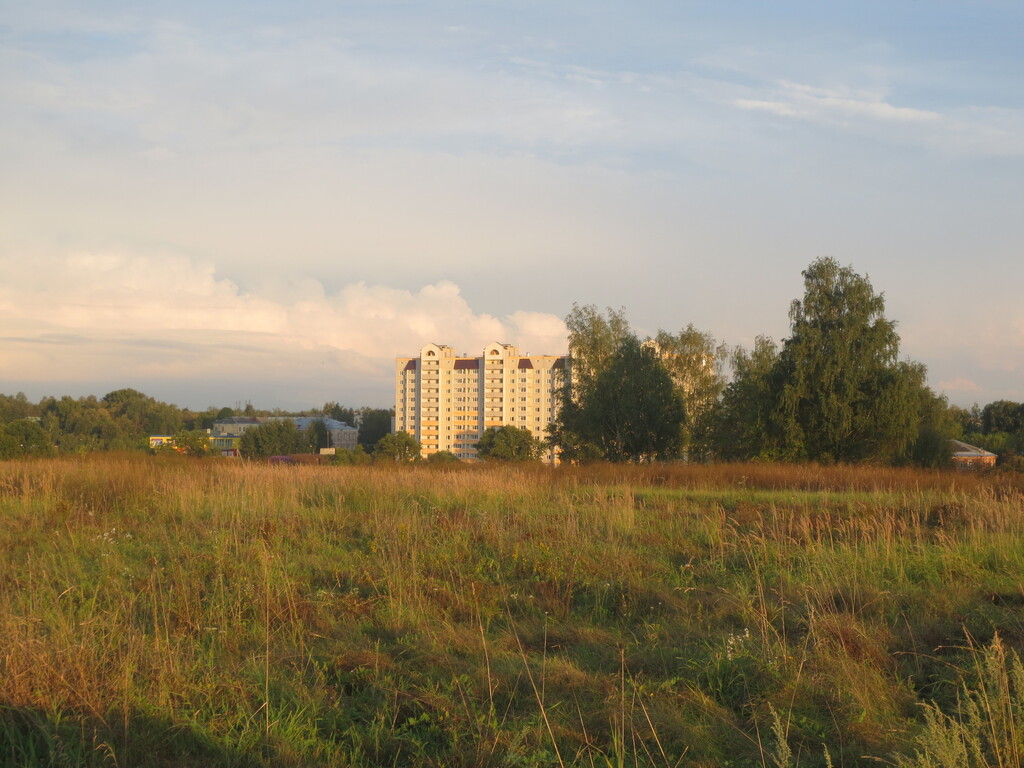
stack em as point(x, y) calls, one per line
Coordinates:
point(970, 456)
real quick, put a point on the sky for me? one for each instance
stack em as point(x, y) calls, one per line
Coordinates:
point(225, 202)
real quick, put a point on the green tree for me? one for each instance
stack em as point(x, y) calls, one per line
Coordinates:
point(593, 341)
point(843, 395)
point(16, 407)
point(619, 402)
point(374, 423)
point(275, 438)
point(142, 415)
point(695, 361)
point(1002, 416)
point(508, 443)
point(398, 447)
point(634, 412)
point(337, 412)
point(317, 436)
point(24, 437)
point(85, 425)
point(190, 442)
point(939, 424)
point(743, 423)
point(970, 419)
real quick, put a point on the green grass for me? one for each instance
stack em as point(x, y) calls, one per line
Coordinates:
point(167, 612)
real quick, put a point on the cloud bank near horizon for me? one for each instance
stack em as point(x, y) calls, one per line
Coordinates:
point(91, 317)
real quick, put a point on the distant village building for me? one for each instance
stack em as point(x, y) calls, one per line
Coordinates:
point(228, 446)
point(235, 425)
point(446, 401)
point(969, 456)
point(340, 435)
point(226, 434)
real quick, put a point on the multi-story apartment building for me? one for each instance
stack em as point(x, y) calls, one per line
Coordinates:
point(446, 401)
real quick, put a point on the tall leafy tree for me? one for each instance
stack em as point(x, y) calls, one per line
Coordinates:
point(1002, 416)
point(619, 402)
point(938, 424)
point(843, 395)
point(635, 412)
point(594, 338)
point(631, 412)
point(695, 361)
point(317, 436)
point(969, 419)
point(743, 423)
point(374, 423)
point(333, 410)
point(275, 438)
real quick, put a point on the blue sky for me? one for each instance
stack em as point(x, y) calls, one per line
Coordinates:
point(270, 201)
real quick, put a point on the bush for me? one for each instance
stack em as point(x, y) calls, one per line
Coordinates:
point(442, 457)
point(355, 457)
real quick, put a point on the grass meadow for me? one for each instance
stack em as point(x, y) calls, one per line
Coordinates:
point(157, 611)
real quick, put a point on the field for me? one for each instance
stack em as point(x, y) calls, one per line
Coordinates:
point(159, 611)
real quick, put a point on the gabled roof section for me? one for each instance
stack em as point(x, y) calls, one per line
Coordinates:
point(964, 450)
point(467, 364)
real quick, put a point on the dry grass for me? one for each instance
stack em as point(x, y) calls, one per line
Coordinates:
point(159, 611)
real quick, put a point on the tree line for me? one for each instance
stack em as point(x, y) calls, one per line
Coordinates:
point(124, 419)
point(835, 390)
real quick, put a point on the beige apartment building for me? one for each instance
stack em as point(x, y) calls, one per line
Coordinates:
point(446, 400)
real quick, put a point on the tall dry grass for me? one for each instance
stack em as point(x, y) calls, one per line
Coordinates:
point(169, 612)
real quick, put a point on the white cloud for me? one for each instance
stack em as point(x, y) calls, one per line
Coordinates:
point(833, 104)
point(958, 385)
point(968, 130)
point(86, 316)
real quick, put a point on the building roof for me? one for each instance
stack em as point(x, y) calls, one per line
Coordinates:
point(305, 422)
point(467, 364)
point(964, 451)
